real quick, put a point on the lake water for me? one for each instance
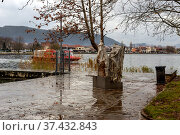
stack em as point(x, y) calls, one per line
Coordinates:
point(152, 60)
point(12, 61)
point(130, 60)
point(149, 60)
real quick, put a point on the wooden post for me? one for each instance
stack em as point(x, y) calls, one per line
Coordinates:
point(69, 62)
point(56, 62)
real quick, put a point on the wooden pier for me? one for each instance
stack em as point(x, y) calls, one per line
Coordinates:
point(24, 74)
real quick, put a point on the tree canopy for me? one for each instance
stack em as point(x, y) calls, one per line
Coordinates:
point(78, 16)
point(160, 15)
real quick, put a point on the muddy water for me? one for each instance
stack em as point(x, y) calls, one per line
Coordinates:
point(12, 61)
point(149, 60)
point(130, 60)
point(71, 96)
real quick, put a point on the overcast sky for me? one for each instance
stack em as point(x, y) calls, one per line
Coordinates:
point(11, 15)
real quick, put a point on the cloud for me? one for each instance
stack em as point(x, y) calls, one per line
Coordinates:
point(140, 37)
point(11, 15)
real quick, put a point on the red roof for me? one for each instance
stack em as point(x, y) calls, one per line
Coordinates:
point(78, 46)
point(45, 44)
point(142, 47)
point(66, 45)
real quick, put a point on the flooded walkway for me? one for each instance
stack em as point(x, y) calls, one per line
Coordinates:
point(71, 96)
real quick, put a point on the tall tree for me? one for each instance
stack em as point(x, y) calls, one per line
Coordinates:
point(5, 43)
point(160, 15)
point(79, 16)
point(171, 49)
point(19, 44)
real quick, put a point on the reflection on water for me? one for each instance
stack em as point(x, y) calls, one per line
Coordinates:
point(7, 80)
point(60, 87)
point(80, 100)
point(95, 103)
point(108, 104)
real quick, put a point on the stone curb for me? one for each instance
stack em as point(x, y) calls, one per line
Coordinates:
point(145, 115)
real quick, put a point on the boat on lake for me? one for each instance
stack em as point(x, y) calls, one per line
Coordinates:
point(50, 55)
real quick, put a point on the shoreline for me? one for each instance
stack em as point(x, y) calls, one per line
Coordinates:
point(15, 53)
point(130, 53)
point(31, 53)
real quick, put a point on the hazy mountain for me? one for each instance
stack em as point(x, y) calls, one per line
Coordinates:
point(177, 45)
point(16, 31)
point(139, 44)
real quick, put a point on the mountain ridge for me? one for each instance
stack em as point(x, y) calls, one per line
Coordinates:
point(16, 31)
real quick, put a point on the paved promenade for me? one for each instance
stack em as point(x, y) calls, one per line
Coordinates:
point(72, 96)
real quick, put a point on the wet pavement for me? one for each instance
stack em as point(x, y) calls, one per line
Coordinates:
point(72, 96)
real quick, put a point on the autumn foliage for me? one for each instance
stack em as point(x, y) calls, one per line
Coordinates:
point(78, 16)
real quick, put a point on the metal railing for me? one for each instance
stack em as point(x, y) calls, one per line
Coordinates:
point(62, 63)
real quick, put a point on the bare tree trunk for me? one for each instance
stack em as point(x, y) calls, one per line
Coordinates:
point(101, 24)
point(89, 30)
point(80, 16)
point(94, 44)
point(91, 21)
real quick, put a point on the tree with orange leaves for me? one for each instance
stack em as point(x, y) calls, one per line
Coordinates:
point(79, 16)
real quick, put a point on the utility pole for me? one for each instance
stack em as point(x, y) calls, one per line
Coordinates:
point(61, 50)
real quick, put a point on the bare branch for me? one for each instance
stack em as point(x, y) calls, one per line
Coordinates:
point(26, 4)
point(78, 17)
point(162, 15)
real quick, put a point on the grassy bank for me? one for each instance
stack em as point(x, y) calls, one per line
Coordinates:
point(166, 106)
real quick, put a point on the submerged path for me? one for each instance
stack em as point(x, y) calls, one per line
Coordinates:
point(71, 96)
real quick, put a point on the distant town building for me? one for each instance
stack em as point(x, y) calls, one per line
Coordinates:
point(153, 49)
point(79, 49)
point(75, 48)
point(142, 49)
point(131, 49)
point(160, 50)
point(68, 47)
point(45, 45)
point(135, 50)
point(148, 49)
